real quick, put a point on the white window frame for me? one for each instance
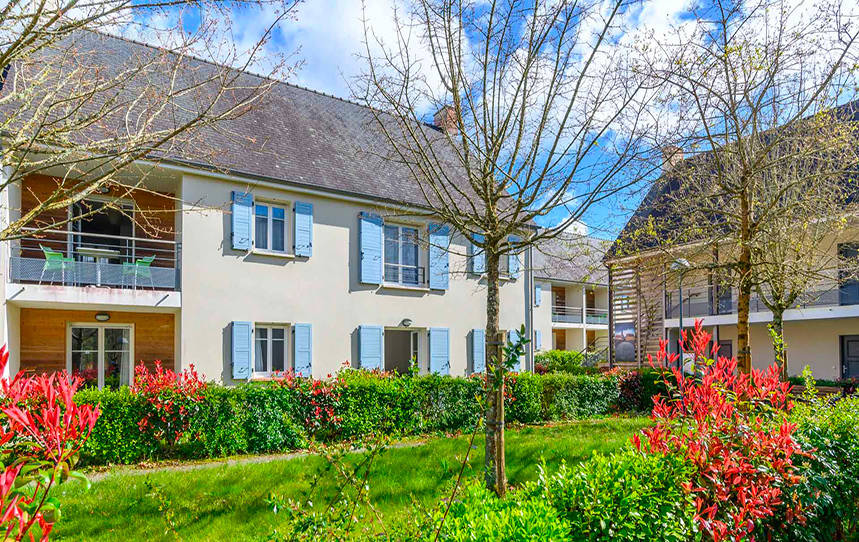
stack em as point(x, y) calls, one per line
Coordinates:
point(270, 205)
point(287, 364)
point(422, 259)
point(100, 361)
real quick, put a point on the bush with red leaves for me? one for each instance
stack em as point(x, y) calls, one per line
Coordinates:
point(734, 428)
point(42, 431)
point(173, 399)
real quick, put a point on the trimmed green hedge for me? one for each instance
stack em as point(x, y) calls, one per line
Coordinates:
point(269, 417)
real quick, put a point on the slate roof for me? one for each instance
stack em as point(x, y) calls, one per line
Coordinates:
point(571, 258)
point(296, 136)
point(658, 206)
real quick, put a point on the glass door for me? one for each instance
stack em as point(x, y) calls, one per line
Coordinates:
point(101, 355)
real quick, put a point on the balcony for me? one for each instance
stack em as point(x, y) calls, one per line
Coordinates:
point(61, 258)
point(720, 300)
point(564, 314)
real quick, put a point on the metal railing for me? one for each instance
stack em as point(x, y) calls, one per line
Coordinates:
point(92, 259)
point(596, 316)
point(717, 300)
point(566, 314)
point(405, 275)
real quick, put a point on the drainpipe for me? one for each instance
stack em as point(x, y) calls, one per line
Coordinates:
point(529, 308)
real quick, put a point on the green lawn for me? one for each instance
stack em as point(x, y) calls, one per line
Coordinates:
point(227, 502)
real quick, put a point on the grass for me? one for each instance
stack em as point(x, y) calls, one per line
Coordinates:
point(228, 502)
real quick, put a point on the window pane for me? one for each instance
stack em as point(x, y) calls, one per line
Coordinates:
point(84, 338)
point(116, 339)
point(278, 230)
point(410, 275)
point(116, 369)
point(278, 213)
point(410, 247)
point(392, 273)
point(261, 233)
point(278, 333)
point(85, 365)
point(278, 352)
point(261, 353)
point(392, 244)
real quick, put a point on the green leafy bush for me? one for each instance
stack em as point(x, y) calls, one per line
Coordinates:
point(478, 515)
point(623, 496)
point(563, 361)
point(116, 437)
point(568, 397)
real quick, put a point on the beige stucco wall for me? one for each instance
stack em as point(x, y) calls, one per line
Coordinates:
point(815, 343)
point(220, 285)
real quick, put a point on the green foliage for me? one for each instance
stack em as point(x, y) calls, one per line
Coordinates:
point(116, 437)
point(564, 361)
point(829, 489)
point(478, 515)
point(623, 496)
point(268, 417)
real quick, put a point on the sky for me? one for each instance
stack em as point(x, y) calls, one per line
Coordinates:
point(326, 37)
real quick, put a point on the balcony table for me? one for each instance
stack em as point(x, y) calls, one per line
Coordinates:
point(100, 255)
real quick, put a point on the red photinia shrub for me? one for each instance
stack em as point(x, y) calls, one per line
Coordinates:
point(42, 431)
point(734, 428)
point(173, 399)
point(323, 401)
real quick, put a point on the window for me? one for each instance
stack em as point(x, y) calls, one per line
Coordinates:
point(270, 227)
point(848, 254)
point(101, 355)
point(269, 349)
point(402, 256)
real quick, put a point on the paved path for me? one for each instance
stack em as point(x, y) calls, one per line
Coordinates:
point(225, 462)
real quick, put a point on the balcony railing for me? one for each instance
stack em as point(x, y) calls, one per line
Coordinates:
point(596, 316)
point(566, 315)
point(405, 275)
point(90, 259)
point(718, 300)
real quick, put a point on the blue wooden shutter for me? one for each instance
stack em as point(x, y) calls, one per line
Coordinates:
point(478, 350)
point(303, 229)
point(538, 294)
point(302, 349)
point(242, 344)
point(513, 336)
point(478, 256)
point(370, 233)
point(370, 347)
point(439, 343)
point(242, 210)
point(439, 260)
point(513, 258)
point(538, 339)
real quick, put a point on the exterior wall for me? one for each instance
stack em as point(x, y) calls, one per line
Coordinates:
point(43, 336)
point(220, 285)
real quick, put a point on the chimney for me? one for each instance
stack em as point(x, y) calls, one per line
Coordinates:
point(445, 118)
point(671, 156)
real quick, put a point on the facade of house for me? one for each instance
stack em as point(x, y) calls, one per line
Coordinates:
point(571, 295)
point(821, 330)
point(304, 251)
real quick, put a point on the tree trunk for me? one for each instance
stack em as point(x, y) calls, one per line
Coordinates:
point(744, 267)
point(779, 348)
point(494, 471)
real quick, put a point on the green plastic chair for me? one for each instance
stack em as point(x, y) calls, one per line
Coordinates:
point(140, 268)
point(55, 261)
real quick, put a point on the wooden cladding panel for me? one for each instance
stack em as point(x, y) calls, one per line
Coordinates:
point(43, 336)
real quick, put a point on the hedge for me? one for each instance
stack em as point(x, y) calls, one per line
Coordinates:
point(269, 417)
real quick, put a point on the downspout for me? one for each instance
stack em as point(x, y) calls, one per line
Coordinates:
point(529, 308)
point(610, 317)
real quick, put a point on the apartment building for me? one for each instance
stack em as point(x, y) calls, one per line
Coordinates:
point(571, 295)
point(821, 329)
point(304, 252)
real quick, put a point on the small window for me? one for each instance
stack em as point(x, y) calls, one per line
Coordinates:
point(270, 227)
point(269, 349)
point(402, 256)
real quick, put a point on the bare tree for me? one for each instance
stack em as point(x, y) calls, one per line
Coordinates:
point(750, 86)
point(537, 110)
point(75, 108)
